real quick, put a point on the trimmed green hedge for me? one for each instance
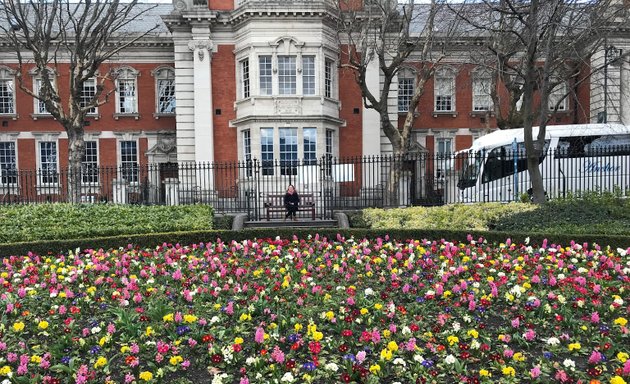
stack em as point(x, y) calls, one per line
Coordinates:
point(196, 237)
point(607, 216)
point(19, 223)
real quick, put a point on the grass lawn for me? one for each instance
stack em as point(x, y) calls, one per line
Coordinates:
point(318, 310)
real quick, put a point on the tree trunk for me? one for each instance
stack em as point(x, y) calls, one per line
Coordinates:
point(76, 150)
point(393, 182)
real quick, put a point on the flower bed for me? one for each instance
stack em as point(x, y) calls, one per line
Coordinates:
point(318, 310)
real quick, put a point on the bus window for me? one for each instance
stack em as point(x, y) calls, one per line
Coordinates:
point(613, 145)
point(500, 162)
point(469, 175)
point(588, 146)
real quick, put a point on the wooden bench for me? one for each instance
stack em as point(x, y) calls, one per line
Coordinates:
point(275, 203)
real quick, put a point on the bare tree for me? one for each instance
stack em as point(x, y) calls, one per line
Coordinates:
point(50, 36)
point(396, 36)
point(538, 51)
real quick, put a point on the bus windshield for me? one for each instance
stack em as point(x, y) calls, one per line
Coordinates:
point(470, 173)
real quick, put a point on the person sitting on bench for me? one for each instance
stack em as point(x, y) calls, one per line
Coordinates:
point(291, 202)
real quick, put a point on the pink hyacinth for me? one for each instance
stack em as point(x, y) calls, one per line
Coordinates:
point(259, 337)
point(277, 355)
point(361, 356)
point(595, 317)
point(535, 372)
point(595, 357)
point(529, 335)
point(516, 323)
point(626, 368)
point(177, 275)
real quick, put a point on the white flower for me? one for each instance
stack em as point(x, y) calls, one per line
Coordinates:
point(450, 359)
point(622, 252)
point(95, 330)
point(368, 292)
point(332, 367)
point(287, 378)
point(418, 358)
point(553, 341)
point(516, 290)
point(215, 319)
point(568, 363)
point(399, 361)
point(251, 360)
point(406, 330)
point(218, 379)
point(456, 326)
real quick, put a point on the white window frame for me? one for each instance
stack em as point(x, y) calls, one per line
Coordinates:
point(328, 77)
point(443, 153)
point(481, 92)
point(287, 75)
point(48, 167)
point(127, 91)
point(406, 88)
point(7, 92)
point(90, 171)
point(267, 155)
point(8, 164)
point(265, 75)
point(165, 102)
point(559, 92)
point(444, 91)
point(309, 75)
point(125, 164)
point(87, 95)
point(309, 145)
point(245, 71)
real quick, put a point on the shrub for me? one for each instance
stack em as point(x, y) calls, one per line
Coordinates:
point(59, 221)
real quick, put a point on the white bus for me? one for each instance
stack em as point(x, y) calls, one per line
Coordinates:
point(576, 158)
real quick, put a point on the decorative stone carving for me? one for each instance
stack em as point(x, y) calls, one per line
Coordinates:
point(200, 46)
point(180, 5)
point(288, 107)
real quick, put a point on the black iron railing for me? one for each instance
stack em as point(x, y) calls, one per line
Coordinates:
point(334, 183)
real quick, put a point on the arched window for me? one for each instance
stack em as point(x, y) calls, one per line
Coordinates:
point(126, 91)
point(481, 91)
point(406, 88)
point(165, 90)
point(444, 90)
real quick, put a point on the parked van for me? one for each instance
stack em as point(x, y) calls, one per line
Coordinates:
point(576, 158)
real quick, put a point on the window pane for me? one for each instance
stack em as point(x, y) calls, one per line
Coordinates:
point(444, 88)
point(310, 146)
point(245, 74)
point(40, 106)
point(6, 96)
point(405, 93)
point(127, 96)
point(48, 162)
point(556, 95)
point(266, 150)
point(166, 96)
point(308, 75)
point(89, 163)
point(247, 151)
point(482, 100)
point(87, 94)
point(265, 75)
point(287, 75)
point(328, 76)
point(129, 161)
point(8, 167)
point(288, 151)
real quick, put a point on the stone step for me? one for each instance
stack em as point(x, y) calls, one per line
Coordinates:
point(300, 223)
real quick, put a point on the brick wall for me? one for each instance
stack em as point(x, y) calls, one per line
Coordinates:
point(350, 136)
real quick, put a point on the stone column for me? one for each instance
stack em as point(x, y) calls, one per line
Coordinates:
point(203, 111)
